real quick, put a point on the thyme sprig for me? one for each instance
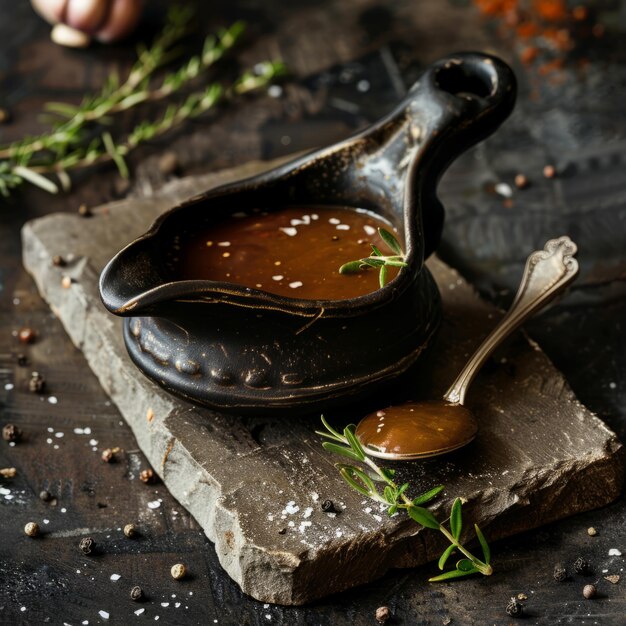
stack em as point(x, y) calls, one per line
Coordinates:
point(395, 498)
point(377, 259)
point(80, 139)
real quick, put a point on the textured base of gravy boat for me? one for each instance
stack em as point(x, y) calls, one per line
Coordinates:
point(246, 350)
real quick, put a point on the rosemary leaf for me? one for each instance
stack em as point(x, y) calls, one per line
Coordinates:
point(347, 452)
point(455, 573)
point(483, 544)
point(456, 520)
point(427, 496)
point(445, 556)
point(36, 179)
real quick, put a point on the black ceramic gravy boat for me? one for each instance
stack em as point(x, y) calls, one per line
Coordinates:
point(245, 350)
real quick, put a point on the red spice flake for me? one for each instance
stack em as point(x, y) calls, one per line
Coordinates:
point(551, 10)
point(529, 54)
point(580, 13)
point(526, 30)
point(550, 66)
point(507, 203)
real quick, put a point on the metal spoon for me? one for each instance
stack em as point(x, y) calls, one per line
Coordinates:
point(417, 430)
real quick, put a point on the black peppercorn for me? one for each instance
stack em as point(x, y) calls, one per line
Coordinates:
point(87, 545)
point(107, 455)
point(22, 360)
point(136, 593)
point(10, 432)
point(560, 573)
point(328, 506)
point(581, 566)
point(45, 495)
point(515, 608)
point(37, 383)
point(58, 261)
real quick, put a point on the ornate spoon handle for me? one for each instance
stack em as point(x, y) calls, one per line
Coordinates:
point(547, 273)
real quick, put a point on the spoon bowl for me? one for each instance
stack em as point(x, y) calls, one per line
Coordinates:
point(418, 430)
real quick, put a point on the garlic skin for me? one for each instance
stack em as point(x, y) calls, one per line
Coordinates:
point(104, 20)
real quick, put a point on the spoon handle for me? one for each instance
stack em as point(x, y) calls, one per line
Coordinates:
point(547, 273)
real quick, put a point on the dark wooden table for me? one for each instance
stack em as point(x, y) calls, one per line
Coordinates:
point(349, 61)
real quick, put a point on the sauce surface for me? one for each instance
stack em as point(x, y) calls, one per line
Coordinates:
point(294, 252)
point(418, 429)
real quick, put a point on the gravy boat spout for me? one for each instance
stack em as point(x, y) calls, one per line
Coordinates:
point(244, 347)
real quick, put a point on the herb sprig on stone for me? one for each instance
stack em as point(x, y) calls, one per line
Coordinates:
point(82, 135)
point(377, 483)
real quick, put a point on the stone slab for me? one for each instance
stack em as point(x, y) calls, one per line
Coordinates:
point(255, 485)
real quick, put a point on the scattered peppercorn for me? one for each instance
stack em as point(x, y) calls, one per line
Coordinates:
point(589, 591)
point(10, 432)
point(549, 171)
point(382, 614)
point(22, 360)
point(521, 181)
point(522, 597)
point(58, 261)
point(8, 472)
point(591, 531)
point(560, 573)
point(87, 545)
point(146, 476)
point(136, 593)
point(581, 566)
point(130, 530)
point(282, 531)
point(66, 282)
point(515, 608)
point(37, 383)
point(328, 506)
point(107, 455)
point(45, 495)
point(31, 529)
point(5, 116)
point(178, 571)
point(84, 210)
point(26, 335)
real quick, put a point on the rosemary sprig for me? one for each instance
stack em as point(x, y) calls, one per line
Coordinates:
point(377, 259)
point(395, 498)
point(79, 139)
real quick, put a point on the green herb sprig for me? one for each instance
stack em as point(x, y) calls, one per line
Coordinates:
point(395, 498)
point(377, 259)
point(80, 138)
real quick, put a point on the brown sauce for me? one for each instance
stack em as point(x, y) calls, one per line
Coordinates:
point(294, 252)
point(419, 429)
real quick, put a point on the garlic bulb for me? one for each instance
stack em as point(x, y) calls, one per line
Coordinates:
point(104, 20)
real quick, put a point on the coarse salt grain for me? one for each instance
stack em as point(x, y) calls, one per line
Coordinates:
point(295, 284)
point(165, 604)
point(103, 614)
point(8, 386)
point(343, 226)
point(115, 577)
point(52, 400)
point(59, 435)
point(370, 230)
point(334, 220)
point(155, 504)
point(278, 277)
point(308, 511)
point(614, 552)
point(139, 611)
point(289, 230)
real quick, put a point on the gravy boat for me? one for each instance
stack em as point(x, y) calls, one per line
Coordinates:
point(245, 350)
